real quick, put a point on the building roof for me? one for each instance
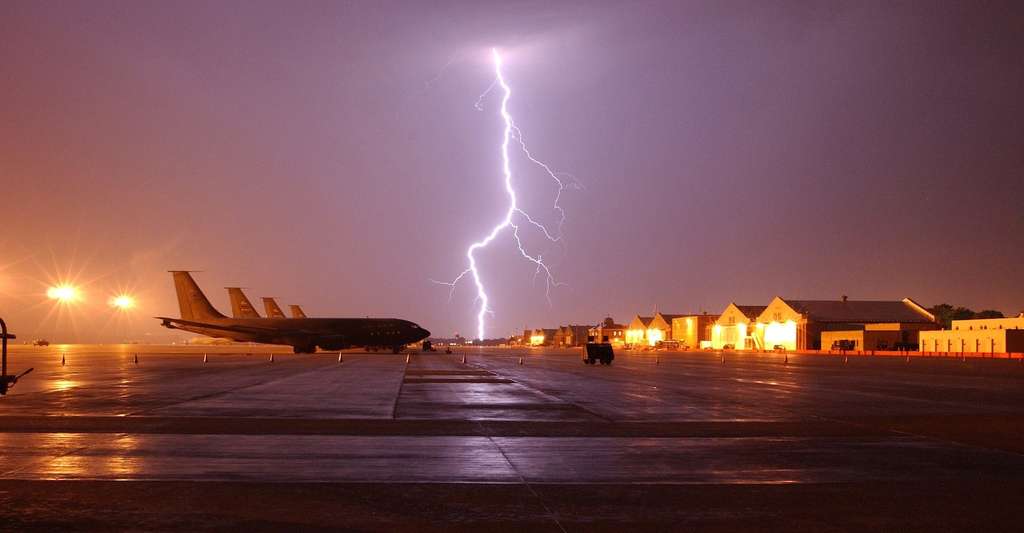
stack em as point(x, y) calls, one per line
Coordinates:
point(645, 319)
point(664, 318)
point(860, 311)
point(752, 311)
point(696, 315)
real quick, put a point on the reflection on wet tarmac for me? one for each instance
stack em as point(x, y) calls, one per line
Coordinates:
point(786, 419)
point(503, 459)
point(64, 384)
point(123, 463)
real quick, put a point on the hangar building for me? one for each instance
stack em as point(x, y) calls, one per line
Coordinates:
point(800, 324)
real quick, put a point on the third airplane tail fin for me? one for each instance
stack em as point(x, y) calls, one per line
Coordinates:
point(273, 310)
point(297, 312)
point(241, 307)
point(191, 300)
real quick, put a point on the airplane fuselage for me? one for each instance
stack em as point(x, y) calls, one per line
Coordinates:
point(306, 333)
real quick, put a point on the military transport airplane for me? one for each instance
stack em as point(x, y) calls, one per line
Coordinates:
point(304, 334)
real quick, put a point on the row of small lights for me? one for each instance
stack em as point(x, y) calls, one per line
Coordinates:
point(69, 294)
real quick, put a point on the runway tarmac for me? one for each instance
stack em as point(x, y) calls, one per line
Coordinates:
point(374, 443)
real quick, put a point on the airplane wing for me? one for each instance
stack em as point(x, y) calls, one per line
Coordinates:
point(240, 329)
point(237, 328)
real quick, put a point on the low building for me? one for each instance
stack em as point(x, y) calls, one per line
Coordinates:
point(985, 335)
point(734, 327)
point(871, 337)
point(636, 332)
point(542, 337)
point(660, 328)
point(799, 324)
point(571, 335)
point(559, 337)
point(608, 331)
point(457, 340)
point(691, 330)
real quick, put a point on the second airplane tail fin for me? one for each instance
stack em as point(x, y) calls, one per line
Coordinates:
point(273, 310)
point(297, 312)
point(191, 300)
point(241, 307)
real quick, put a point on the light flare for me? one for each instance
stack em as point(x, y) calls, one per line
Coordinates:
point(510, 132)
point(64, 293)
point(122, 302)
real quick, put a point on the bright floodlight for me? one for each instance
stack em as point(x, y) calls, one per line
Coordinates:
point(63, 293)
point(122, 302)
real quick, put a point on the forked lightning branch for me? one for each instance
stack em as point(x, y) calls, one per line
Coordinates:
point(515, 218)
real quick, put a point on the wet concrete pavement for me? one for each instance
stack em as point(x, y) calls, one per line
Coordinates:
point(656, 423)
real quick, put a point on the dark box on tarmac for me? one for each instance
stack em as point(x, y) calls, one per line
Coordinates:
point(598, 351)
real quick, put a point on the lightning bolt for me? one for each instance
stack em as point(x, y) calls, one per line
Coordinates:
point(511, 132)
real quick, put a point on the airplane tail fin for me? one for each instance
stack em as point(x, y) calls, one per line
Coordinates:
point(191, 300)
point(273, 310)
point(241, 307)
point(297, 312)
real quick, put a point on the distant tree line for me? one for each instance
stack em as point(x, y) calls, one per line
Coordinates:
point(945, 314)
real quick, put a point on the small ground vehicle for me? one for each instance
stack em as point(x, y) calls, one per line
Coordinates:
point(844, 345)
point(779, 348)
point(667, 345)
point(40, 342)
point(428, 346)
point(598, 352)
point(728, 346)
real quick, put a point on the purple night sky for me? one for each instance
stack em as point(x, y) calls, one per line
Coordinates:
point(329, 153)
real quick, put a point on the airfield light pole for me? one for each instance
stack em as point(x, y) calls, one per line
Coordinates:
point(6, 382)
point(3, 336)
